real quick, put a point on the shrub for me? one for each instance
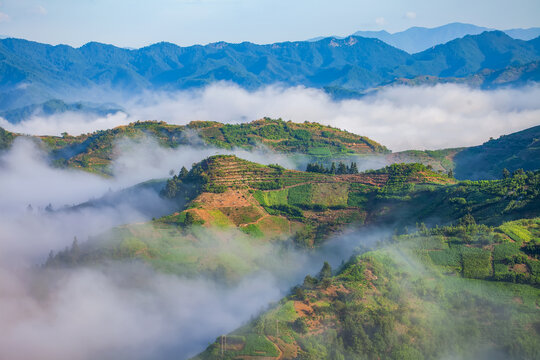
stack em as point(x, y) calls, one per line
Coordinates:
point(267, 185)
point(300, 195)
point(300, 325)
point(448, 257)
point(505, 250)
point(252, 230)
point(476, 263)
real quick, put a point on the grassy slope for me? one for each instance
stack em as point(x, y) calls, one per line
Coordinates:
point(227, 193)
point(395, 302)
point(439, 160)
point(520, 150)
point(223, 193)
point(6, 139)
point(398, 303)
point(95, 151)
point(257, 198)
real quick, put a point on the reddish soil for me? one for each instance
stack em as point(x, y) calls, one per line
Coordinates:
point(520, 268)
point(367, 179)
point(230, 198)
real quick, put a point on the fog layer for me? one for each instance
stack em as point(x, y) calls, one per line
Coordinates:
point(399, 117)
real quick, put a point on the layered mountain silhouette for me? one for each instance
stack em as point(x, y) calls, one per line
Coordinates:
point(416, 39)
point(33, 73)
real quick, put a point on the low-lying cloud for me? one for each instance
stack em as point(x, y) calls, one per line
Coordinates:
point(120, 312)
point(28, 185)
point(399, 117)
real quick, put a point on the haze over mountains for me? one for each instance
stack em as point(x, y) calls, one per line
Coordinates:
point(416, 39)
point(33, 73)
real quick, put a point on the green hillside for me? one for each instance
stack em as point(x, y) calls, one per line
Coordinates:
point(271, 205)
point(94, 151)
point(464, 284)
point(6, 139)
point(417, 297)
point(520, 150)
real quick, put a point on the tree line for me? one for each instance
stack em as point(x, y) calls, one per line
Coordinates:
point(340, 169)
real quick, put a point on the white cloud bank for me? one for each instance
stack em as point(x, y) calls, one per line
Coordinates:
point(124, 312)
point(399, 117)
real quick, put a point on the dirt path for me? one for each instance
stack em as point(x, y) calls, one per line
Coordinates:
point(280, 357)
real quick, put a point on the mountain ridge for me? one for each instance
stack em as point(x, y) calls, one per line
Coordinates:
point(417, 39)
point(33, 73)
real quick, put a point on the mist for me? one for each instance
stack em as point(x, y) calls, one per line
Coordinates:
point(120, 312)
point(125, 309)
point(129, 310)
point(399, 117)
point(29, 185)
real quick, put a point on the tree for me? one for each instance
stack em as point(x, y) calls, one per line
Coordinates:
point(183, 173)
point(450, 173)
point(333, 168)
point(300, 325)
point(341, 169)
point(299, 293)
point(505, 173)
point(354, 168)
point(310, 281)
point(326, 271)
point(467, 220)
point(170, 189)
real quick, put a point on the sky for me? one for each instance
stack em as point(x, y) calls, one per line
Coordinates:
point(136, 23)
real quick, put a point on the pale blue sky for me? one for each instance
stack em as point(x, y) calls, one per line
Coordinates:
point(137, 23)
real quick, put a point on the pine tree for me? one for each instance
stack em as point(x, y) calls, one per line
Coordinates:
point(170, 189)
point(333, 168)
point(326, 271)
point(341, 169)
point(183, 173)
point(353, 169)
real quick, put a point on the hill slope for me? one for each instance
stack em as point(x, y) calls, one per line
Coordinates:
point(271, 205)
point(519, 150)
point(94, 152)
point(398, 303)
point(486, 79)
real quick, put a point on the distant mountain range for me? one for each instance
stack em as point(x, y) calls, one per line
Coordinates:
point(416, 39)
point(55, 106)
point(33, 73)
